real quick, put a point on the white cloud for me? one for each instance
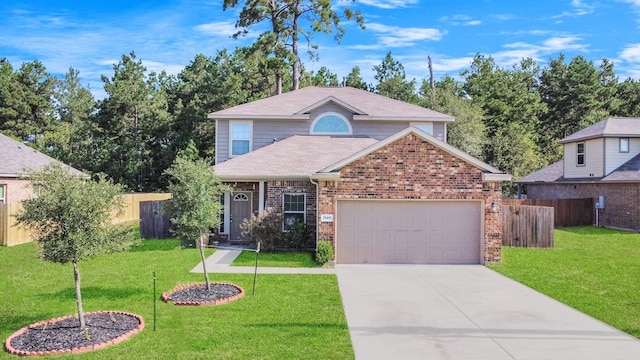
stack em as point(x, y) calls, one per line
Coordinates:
point(393, 36)
point(631, 53)
point(580, 8)
point(389, 4)
point(460, 19)
point(536, 51)
point(223, 28)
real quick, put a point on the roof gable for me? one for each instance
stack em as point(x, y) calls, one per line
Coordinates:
point(363, 104)
point(500, 176)
point(17, 157)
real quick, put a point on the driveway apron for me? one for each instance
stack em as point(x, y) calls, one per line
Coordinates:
point(466, 312)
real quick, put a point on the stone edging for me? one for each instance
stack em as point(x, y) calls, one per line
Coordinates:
point(81, 349)
point(166, 296)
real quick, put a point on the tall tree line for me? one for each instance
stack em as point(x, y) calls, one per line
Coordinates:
point(510, 117)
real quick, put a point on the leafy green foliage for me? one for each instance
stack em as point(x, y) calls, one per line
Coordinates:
point(299, 236)
point(324, 252)
point(265, 228)
point(71, 216)
point(195, 204)
point(392, 81)
point(71, 219)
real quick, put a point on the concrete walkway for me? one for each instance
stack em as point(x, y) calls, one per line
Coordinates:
point(466, 312)
point(220, 262)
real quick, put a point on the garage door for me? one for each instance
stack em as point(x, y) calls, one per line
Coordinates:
point(408, 232)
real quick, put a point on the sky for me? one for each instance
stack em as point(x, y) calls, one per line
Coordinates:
point(91, 36)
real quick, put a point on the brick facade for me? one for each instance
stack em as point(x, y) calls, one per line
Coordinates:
point(413, 168)
point(16, 190)
point(622, 200)
point(275, 189)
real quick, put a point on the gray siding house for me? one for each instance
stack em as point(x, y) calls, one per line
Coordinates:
point(601, 161)
point(328, 156)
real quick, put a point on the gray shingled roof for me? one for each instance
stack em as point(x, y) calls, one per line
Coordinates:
point(296, 157)
point(16, 157)
point(364, 105)
point(551, 173)
point(611, 127)
point(629, 171)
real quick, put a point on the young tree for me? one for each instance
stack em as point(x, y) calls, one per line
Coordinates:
point(195, 205)
point(71, 219)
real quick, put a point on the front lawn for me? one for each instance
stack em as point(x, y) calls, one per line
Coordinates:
point(594, 270)
point(302, 259)
point(290, 316)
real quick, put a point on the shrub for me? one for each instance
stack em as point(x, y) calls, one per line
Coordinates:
point(265, 228)
point(324, 252)
point(299, 237)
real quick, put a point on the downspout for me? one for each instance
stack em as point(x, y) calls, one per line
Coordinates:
point(317, 208)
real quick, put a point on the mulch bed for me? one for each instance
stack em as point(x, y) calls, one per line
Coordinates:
point(198, 294)
point(63, 335)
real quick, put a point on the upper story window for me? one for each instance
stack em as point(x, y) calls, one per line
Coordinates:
point(424, 126)
point(580, 151)
point(331, 124)
point(240, 134)
point(3, 195)
point(624, 145)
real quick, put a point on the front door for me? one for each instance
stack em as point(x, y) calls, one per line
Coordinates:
point(240, 210)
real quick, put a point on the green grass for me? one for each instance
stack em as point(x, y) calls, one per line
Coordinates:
point(290, 316)
point(277, 259)
point(594, 270)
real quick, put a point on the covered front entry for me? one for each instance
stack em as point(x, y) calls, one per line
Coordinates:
point(408, 232)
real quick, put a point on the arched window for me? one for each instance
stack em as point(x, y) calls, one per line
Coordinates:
point(330, 124)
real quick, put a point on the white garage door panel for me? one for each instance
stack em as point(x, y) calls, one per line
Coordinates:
point(413, 232)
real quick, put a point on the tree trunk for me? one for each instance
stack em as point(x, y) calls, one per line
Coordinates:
point(204, 265)
point(76, 278)
point(294, 47)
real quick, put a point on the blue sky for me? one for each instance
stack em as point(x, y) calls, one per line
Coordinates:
point(91, 36)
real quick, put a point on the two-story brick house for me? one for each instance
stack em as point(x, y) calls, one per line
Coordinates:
point(371, 174)
point(600, 160)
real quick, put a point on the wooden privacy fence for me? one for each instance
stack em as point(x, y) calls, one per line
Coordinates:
point(11, 234)
point(154, 224)
point(567, 212)
point(527, 226)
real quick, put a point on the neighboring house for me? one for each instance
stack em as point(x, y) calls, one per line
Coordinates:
point(371, 174)
point(16, 158)
point(600, 160)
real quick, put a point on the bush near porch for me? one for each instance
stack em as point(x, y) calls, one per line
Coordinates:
point(592, 269)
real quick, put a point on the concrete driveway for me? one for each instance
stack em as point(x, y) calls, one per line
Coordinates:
point(466, 312)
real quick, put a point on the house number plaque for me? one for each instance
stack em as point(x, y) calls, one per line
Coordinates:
point(326, 218)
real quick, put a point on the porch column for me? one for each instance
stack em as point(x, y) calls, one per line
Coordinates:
point(260, 197)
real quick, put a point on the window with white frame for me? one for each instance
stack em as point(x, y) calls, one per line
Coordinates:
point(331, 124)
point(580, 151)
point(3, 193)
point(624, 145)
point(424, 126)
point(294, 206)
point(240, 137)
